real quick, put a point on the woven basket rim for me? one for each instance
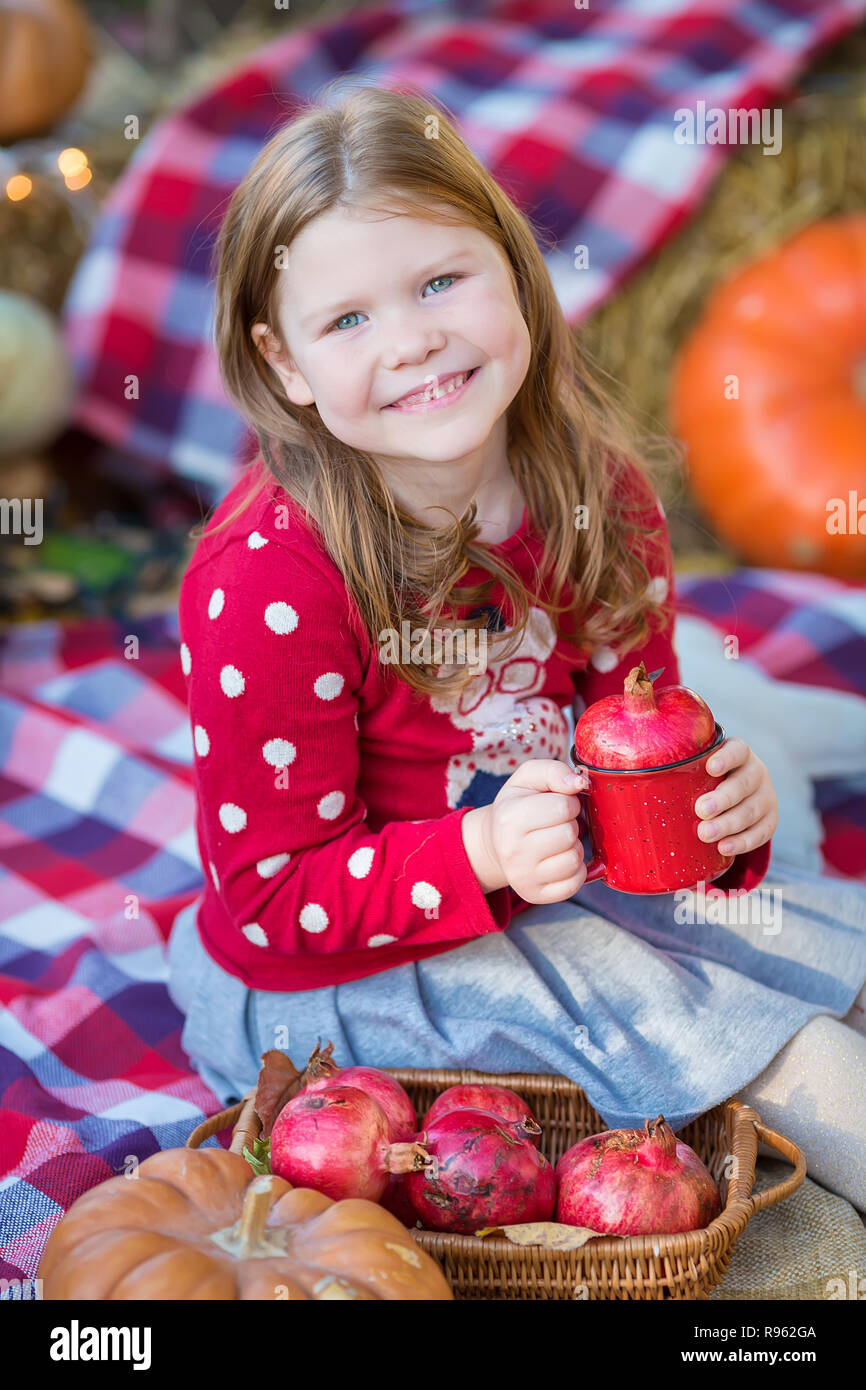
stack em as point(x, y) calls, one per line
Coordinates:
point(745, 1128)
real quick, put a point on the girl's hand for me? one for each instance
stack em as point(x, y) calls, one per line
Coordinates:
point(528, 836)
point(746, 796)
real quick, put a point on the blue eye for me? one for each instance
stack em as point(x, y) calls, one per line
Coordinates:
point(353, 313)
point(441, 277)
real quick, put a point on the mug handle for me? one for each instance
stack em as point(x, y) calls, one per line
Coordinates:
point(596, 868)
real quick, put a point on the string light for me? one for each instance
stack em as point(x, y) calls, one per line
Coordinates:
point(79, 179)
point(71, 162)
point(67, 169)
point(18, 187)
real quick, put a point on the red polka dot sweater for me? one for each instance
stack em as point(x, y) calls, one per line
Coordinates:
point(329, 794)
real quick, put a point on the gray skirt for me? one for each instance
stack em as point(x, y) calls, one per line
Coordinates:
point(646, 1002)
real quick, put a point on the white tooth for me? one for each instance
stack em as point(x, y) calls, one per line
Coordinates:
point(430, 395)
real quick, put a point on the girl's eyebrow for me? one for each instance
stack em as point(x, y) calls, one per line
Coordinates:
point(319, 314)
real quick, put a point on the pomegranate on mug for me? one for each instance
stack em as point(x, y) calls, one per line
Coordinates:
point(645, 755)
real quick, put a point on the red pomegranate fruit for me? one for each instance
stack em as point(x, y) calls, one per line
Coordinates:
point(496, 1100)
point(338, 1141)
point(373, 1082)
point(644, 727)
point(395, 1199)
point(482, 1173)
point(635, 1182)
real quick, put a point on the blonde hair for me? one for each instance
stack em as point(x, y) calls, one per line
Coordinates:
point(567, 440)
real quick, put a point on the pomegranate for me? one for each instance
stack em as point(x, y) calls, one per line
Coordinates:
point(482, 1173)
point(395, 1199)
point(635, 1182)
point(338, 1142)
point(378, 1084)
point(644, 727)
point(496, 1100)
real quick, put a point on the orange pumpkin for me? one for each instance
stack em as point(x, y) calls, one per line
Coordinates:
point(769, 396)
point(45, 55)
point(193, 1225)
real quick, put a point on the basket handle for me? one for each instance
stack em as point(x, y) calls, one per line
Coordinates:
point(788, 1150)
point(214, 1123)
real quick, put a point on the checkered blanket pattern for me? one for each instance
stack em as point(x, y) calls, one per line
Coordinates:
point(98, 854)
point(572, 110)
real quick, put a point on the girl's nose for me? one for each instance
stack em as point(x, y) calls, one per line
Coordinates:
point(411, 344)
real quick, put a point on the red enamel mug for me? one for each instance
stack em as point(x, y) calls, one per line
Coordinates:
point(644, 827)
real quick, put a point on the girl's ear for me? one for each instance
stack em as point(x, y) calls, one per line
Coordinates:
point(294, 384)
point(268, 344)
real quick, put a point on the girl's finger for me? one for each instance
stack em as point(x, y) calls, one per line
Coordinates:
point(740, 817)
point(756, 835)
point(559, 867)
point(732, 792)
point(732, 753)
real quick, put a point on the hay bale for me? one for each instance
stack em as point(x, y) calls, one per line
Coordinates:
point(756, 202)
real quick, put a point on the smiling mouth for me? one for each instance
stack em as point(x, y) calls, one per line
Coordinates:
point(431, 396)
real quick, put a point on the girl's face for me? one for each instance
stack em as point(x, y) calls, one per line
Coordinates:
point(375, 307)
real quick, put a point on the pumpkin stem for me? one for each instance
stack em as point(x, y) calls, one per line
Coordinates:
point(247, 1239)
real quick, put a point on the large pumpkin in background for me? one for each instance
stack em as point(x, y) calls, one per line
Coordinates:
point(769, 396)
point(45, 55)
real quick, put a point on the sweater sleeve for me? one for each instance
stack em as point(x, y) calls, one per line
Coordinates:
point(607, 670)
point(274, 667)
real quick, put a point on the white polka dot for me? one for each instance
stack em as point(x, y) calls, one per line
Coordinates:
point(254, 933)
point(255, 540)
point(331, 805)
point(185, 659)
point(360, 861)
point(662, 511)
point(425, 895)
point(381, 940)
point(232, 818)
point(266, 868)
point(328, 686)
point(232, 681)
point(202, 742)
point(217, 603)
point(281, 618)
point(313, 917)
point(604, 659)
point(657, 588)
point(279, 752)
point(213, 874)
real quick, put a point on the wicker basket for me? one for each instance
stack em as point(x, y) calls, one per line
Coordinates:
point(685, 1266)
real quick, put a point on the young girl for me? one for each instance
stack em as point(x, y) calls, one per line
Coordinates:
point(389, 828)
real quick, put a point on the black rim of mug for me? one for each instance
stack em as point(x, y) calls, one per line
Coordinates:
point(662, 767)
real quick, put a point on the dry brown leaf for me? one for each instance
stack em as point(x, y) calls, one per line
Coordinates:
point(279, 1080)
point(550, 1235)
point(277, 1083)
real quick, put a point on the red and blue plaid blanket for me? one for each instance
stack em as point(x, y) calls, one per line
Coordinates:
point(98, 854)
point(571, 109)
